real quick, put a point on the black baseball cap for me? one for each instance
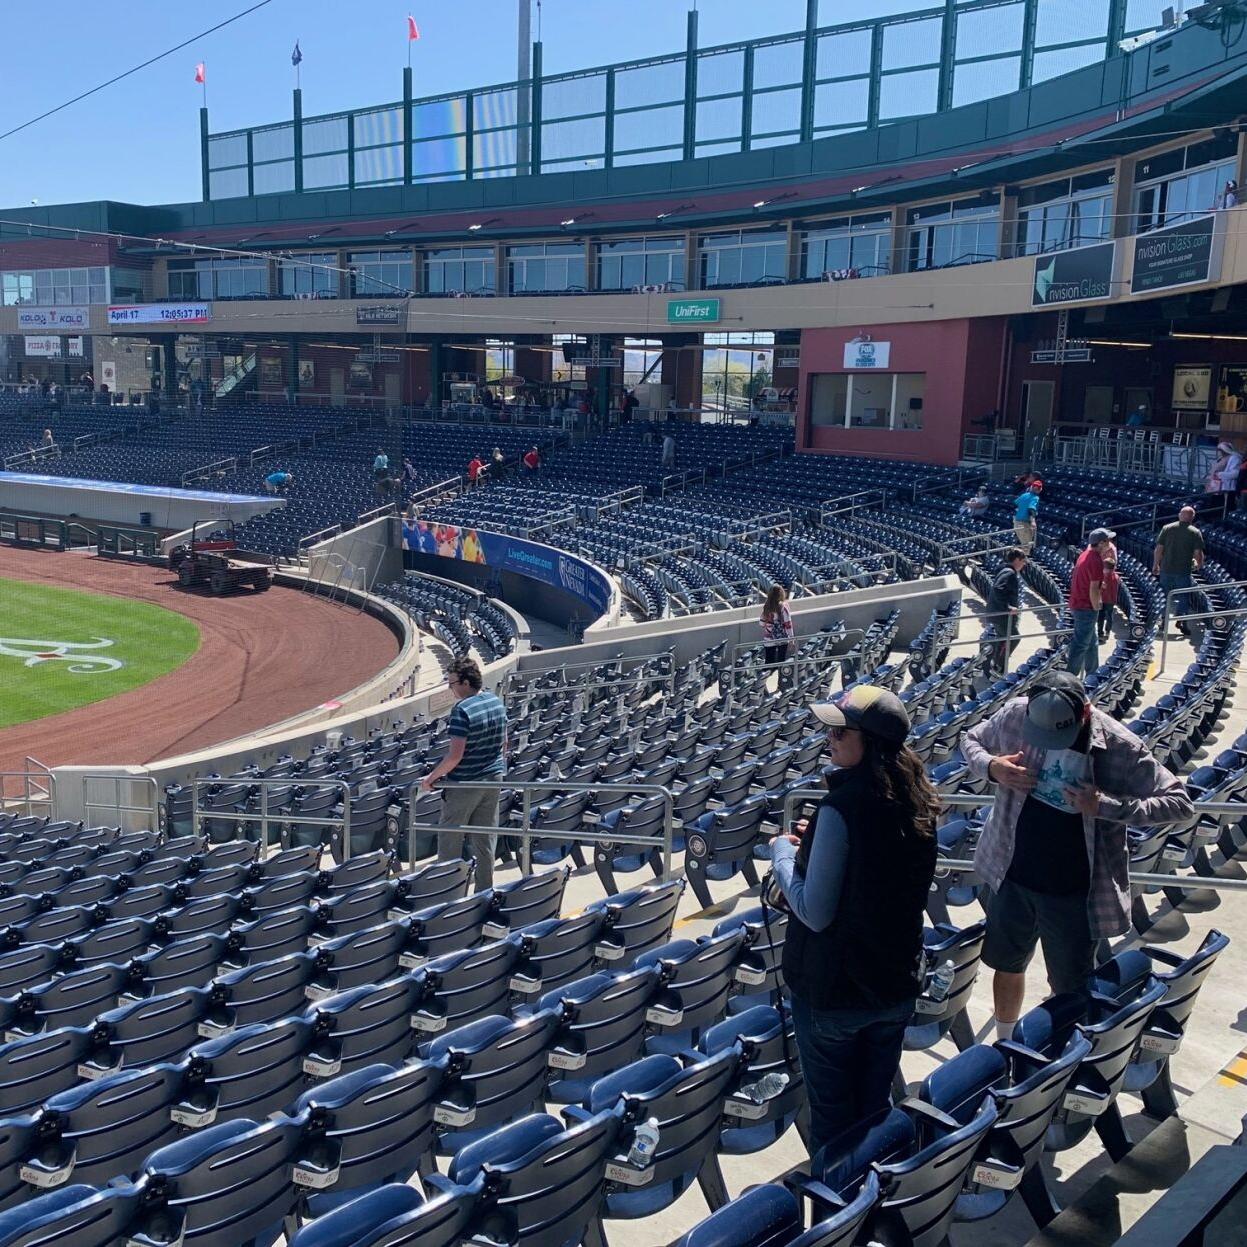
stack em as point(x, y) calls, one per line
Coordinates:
point(868, 709)
point(1055, 712)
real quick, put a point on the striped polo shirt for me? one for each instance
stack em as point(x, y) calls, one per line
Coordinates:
point(481, 720)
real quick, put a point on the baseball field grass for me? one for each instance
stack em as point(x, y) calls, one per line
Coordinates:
point(62, 648)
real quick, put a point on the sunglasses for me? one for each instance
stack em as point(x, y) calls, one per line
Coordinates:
point(839, 733)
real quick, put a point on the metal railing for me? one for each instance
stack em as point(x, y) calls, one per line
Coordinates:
point(850, 504)
point(218, 467)
point(974, 545)
point(149, 809)
point(1220, 617)
point(34, 792)
point(974, 801)
point(988, 642)
point(266, 817)
point(510, 684)
point(526, 833)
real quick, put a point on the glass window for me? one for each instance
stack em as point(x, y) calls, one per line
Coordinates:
point(312, 276)
point(380, 273)
point(49, 286)
point(870, 400)
point(744, 258)
point(546, 266)
point(1181, 184)
point(828, 399)
point(967, 232)
point(459, 270)
point(630, 262)
point(861, 246)
point(230, 278)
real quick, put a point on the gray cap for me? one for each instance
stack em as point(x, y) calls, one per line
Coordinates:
point(1055, 712)
point(1100, 534)
point(867, 709)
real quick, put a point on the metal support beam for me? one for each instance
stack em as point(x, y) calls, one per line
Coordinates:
point(948, 53)
point(1116, 26)
point(203, 153)
point(746, 101)
point(608, 158)
point(523, 75)
point(297, 114)
point(535, 159)
point(690, 87)
point(1030, 15)
point(407, 135)
point(809, 71)
point(876, 70)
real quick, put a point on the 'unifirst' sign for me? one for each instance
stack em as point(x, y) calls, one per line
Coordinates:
point(692, 311)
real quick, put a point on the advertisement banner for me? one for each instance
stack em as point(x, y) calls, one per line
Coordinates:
point(1074, 276)
point(513, 554)
point(159, 313)
point(693, 311)
point(43, 348)
point(52, 318)
point(867, 354)
point(380, 314)
point(1181, 255)
point(1192, 388)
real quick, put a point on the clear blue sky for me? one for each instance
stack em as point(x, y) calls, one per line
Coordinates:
point(138, 141)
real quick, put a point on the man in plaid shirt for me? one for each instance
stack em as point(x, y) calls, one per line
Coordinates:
point(1054, 852)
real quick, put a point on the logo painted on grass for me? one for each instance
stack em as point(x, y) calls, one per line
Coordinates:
point(36, 652)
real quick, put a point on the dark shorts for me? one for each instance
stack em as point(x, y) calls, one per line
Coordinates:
point(1018, 919)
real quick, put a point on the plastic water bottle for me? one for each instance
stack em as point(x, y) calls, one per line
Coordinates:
point(644, 1144)
point(767, 1087)
point(941, 982)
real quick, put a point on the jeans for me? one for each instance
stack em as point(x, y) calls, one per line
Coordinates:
point(1084, 653)
point(466, 806)
point(1105, 622)
point(1006, 626)
point(1180, 605)
point(848, 1060)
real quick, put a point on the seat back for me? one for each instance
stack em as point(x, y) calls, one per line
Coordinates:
point(637, 921)
point(222, 1186)
point(362, 1026)
point(146, 1032)
point(548, 1180)
point(368, 956)
point(449, 927)
point(33, 1069)
point(461, 987)
point(103, 1130)
point(79, 1214)
point(557, 951)
point(370, 1126)
point(435, 883)
point(922, 1189)
point(697, 977)
point(526, 900)
point(394, 1216)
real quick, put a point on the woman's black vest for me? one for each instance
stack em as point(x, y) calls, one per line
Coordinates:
point(871, 955)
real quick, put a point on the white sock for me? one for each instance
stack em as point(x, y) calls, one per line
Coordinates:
point(1004, 1030)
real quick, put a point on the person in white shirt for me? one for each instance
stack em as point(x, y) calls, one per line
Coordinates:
point(1223, 478)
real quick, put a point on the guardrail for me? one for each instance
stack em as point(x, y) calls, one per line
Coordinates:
point(35, 454)
point(266, 817)
point(526, 833)
point(150, 810)
point(219, 467)
point(850, 504)
point(1220, 618)
point(796, 663)
point(127, 542)
point(974, 801)
point(37, 791)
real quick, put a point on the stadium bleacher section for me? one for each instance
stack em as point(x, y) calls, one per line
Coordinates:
point(209, 1037)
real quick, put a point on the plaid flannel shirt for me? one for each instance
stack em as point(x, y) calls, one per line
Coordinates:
point(1135, 791)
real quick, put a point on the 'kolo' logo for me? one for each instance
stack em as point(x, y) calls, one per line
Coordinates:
point(36, 652)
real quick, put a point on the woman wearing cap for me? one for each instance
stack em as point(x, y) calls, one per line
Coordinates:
point(855, 883)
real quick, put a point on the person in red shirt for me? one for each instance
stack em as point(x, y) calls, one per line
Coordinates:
point(532, 460)
point(474, 471)
point(1110, 589)
point(1085, 600)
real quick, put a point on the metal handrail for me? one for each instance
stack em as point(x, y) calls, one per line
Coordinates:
point(964, 800)
point(217, 465)
point(31, 795)
point(526, 831)
point(264, 817)
point(565, 667)
point(147, 781)
point(1225, 613)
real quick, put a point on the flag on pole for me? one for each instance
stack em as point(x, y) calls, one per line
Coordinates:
point(200, 75)
point(296, 57)
point(413, 31)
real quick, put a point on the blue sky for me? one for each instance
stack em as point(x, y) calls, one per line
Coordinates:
point(138, 141)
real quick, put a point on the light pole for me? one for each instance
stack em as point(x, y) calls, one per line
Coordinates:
point(523, 72)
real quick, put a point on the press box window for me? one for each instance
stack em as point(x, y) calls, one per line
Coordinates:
point(867, 400)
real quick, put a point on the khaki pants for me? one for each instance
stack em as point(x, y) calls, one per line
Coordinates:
point(1024, 530)
point(464, 805)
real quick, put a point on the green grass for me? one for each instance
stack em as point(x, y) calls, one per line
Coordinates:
point(147, 641)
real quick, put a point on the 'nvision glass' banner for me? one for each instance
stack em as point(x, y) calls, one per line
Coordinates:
point(1077, 276)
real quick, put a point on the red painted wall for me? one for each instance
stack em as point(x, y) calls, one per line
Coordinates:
point(961, 360)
